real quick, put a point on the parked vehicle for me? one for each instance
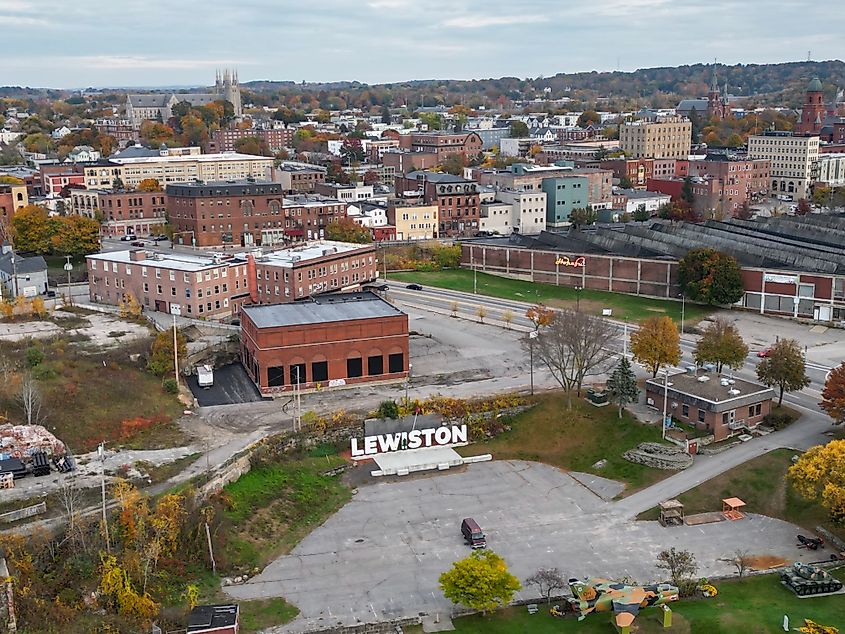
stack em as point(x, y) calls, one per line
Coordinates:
point(414, 287)
point(127, 238)
point(205, 376)
point(377, 287)
point(139, 243)
point(765, 352)
point(472, 533)
point(810, 543)
point(159, 238)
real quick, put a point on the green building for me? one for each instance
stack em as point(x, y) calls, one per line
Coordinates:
point(562, 196)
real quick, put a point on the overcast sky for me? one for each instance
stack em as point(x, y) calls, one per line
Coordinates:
point(78, 43)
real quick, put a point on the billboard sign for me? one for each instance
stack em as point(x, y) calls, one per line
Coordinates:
point(442, 436)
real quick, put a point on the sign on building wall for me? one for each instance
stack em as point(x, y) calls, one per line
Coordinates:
point(414, 439)
point(780, 279)
point(578, 262)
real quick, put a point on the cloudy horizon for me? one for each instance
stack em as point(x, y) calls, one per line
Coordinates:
point(160, 43)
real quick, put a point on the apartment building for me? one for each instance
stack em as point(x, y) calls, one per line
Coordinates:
point(178, 169)
point(792, 160)
point(443, 144)
point(739, 179)
point(345, 193)
point(456, 199)
point(413, 220)
point(299, 177)
point(208, 286)
point(247, 213)
point(225, 139)
point(319, 267)
point(123, 212)
point(667, 137)
point(528, 210)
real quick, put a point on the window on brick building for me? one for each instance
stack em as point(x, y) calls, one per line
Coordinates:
point(354, 367)
point(276, 376)
point(701, 415)
point(396, 363)
point(297, 373)
point(375, 365)
point(320, 371)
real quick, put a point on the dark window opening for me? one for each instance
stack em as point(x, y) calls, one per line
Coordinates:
point(297, 373)
point(276, 376)
point(354, 368)
point(320, 371)
point(375, 365)
point(396, 363)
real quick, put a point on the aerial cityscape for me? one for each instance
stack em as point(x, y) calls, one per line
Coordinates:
point(397, 318)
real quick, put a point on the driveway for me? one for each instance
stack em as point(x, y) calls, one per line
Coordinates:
point(232, 386)
point(380, 556)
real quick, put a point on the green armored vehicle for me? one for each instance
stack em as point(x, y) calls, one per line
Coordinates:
point(804, 580)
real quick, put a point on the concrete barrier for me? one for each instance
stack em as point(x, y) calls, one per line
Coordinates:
point(19, 514)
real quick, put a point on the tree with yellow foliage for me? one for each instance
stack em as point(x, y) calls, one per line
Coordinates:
point(116, 585)
point(129, 307)
point(818, 475)
point(38, 308)
point(149, 185)
point(656, 344)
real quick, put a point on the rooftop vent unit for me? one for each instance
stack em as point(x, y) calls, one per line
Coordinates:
point(733, 392)
point(703, 379)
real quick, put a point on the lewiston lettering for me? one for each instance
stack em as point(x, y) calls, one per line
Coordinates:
point(415, 439)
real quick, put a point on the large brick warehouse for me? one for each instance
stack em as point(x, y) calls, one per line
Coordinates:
point(328, 341)
point(791, 266)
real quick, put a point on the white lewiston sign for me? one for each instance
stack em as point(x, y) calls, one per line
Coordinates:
point(414, 439)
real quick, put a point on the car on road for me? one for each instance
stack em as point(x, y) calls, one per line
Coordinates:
point(160, 238)
point(127, 238)
point(765, 352)
point(377, 287)
point(414, 287)
point(139, 243)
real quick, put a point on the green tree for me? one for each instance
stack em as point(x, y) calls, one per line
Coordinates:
point(519, 130)
point(784, 368)
point(160, 362)
point(33, 229)
point(431, 119)
point(625, 183)
point(640, 214)
point(76, 235)
point(480, 582)
point(385, 114)
point(454, 164)
point(821, 195)
point(589, 117)
point(710, 277)
point(721, 344)
point(657, 343)
point(687, 194)
point(347, 230)
point(622, 385)
point(583, 216)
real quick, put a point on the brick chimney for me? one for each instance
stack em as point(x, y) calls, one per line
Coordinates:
point(138, 255)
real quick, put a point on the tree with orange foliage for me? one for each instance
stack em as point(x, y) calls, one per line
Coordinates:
point(833, 395)
point(149, 185)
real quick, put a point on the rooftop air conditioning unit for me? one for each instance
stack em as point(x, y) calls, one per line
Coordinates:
point(703, 379)
point(733, 392)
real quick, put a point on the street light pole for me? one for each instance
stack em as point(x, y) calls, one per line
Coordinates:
point(531, 337)
point(683, 311)
point(408, 381)
point(577, 299)
point(665, 401)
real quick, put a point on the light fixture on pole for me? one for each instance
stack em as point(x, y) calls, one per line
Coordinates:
point(531, 337)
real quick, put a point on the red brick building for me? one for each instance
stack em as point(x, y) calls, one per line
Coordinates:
point(170, 282)
point(723, 406)
point(457, 200)
point(739, 179)
point(404, 161)
point(56, 177)
point(246, 213)
point(813, 111)
point(444, 144)
point(298, 178)
point(225, 139)
point(123, 212)
point(637, 171)
point(330, 340)
point(706, 193)
point(320, 267)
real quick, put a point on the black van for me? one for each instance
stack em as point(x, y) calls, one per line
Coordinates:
point(472, 533)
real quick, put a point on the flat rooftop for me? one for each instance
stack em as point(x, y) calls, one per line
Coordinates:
point(289, 257)
point(176, 261)
point(190, 158)
point(712, 389)
point(322, 309)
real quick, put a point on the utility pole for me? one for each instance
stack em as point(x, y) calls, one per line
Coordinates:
point(407, 382)
point(625, 339)
point(297, 417)
point(665, 401)
point(102, 452)
point(683, 311)
point(175, 352)
point(531, 337)
point(68, 267)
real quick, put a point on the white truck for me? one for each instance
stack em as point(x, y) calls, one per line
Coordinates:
point(205, 376)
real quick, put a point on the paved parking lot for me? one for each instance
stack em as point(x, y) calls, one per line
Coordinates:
point(381, 554)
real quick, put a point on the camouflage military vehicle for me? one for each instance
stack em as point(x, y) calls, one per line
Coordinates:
point(804, 580)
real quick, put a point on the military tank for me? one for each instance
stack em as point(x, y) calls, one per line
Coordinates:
point(805, 580)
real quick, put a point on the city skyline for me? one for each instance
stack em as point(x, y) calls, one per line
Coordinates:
point(165, 44)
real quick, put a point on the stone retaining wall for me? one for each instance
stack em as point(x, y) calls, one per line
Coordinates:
point(384, 627)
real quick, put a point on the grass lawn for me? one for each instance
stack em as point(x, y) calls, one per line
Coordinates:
point(56, 271)
point(631, 307)
point(271, 508)
point(575, 440)
point(762, 485)
point(753, 606)
point(257, 615)
point(89, 395)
